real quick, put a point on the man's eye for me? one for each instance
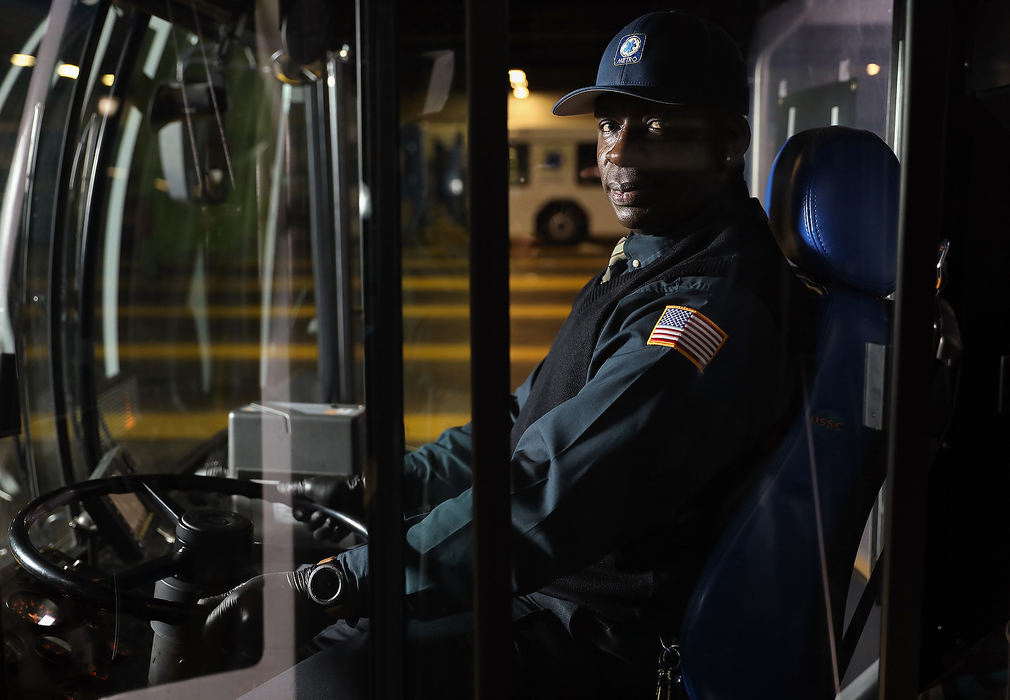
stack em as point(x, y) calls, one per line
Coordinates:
point(606, 126)
point(655, 126)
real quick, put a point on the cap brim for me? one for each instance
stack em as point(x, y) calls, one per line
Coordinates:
point(583, 101)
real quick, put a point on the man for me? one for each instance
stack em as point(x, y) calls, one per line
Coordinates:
point(635, 435)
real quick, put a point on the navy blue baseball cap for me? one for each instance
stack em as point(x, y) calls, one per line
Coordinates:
point(672, 58)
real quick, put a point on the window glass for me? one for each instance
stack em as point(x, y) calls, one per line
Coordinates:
point(22, 35)
point(519, 164)
point(189, 302)
point(436, 238)
point(808, 65)
point(436, 235)
point(817, 64)
point(813, 66)
point(186, 299)
point(557, 199)
point(587, 171)
point(204, 299)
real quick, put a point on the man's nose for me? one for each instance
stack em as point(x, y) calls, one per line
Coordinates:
point(625, 150)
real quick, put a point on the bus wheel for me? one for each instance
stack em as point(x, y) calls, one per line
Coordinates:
point(562, 222)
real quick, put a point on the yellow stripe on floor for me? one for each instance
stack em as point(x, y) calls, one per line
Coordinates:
point(437, 352)
point(518, 281)
point(410, 311)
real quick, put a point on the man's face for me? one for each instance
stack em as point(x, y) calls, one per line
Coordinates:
point(659, 163)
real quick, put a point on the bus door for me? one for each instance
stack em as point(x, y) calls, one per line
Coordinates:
point(207, 294)
point(237, 248)
point(931, 81)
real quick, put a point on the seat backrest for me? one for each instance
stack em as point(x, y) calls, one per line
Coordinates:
point(755, 626)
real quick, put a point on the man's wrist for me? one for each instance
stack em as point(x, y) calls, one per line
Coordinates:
point(325, 583)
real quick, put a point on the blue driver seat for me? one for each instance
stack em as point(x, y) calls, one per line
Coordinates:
point(756, 624)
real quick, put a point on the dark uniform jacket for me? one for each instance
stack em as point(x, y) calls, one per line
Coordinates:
point(631, 438)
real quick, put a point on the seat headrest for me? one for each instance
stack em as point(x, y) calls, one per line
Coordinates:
point(832, 201)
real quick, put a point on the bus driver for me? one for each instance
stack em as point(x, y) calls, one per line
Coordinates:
point(633, 437)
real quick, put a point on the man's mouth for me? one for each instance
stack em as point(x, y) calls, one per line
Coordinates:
point(626, 194)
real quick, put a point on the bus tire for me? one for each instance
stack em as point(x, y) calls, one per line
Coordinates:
point(562, 222)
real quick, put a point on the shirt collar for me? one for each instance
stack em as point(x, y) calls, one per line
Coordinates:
point(645, 248)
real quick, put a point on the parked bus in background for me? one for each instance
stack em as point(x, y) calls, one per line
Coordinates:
point(554, 183)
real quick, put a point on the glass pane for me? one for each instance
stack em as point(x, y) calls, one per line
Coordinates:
point(187, 304)
point(435, 187)
point(732, 530)
point(204, 298)
point(436, 318)
point(22, 35)
point(818, 66)
point(964, 621)
point(544, 204)
point(186, 301)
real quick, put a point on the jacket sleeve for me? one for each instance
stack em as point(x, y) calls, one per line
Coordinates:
point(440, 470)
point(629, 451)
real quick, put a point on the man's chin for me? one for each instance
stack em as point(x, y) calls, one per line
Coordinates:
point(632, 218)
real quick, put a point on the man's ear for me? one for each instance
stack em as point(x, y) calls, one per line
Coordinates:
point(737, 140)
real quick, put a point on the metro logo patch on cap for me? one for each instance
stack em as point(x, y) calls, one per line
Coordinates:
point(630, 49)
point(691, 62)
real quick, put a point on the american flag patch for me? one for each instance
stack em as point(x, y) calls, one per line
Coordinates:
point(690, 333)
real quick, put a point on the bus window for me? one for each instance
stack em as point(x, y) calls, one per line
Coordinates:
point(551, 205)
point(587, 171)
point(551, 159)
point(236, 250)
point(816, 64)
point(182, 210)
point(519, 164)
point(23, 36)
point(168, 357)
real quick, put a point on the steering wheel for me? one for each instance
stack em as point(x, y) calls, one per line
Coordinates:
point(113, 590)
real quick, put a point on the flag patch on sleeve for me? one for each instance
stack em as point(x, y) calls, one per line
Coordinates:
point(690, 332)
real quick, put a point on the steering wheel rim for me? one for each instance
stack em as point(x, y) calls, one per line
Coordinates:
point(148, 607)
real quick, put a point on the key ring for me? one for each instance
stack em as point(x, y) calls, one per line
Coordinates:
point(669, 655)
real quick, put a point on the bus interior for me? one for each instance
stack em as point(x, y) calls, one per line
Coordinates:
point(247, 241)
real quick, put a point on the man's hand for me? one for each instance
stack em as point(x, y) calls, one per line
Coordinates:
point(235, 601)
point(340, 493)
point(235, 621)
point(234, 626)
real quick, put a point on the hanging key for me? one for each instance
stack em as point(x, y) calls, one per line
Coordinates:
point(668, 681)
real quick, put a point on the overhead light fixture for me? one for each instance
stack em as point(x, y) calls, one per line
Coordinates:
point(108, 79)
point(22, 60)
point(520, 86)
point(67, 70)
point(107, 106)
point(872, 68)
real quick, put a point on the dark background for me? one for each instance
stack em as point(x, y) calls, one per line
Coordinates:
point(559, 42)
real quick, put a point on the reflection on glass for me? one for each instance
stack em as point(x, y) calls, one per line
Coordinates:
point(188, 251)
point(206, 296)
point(811, 71)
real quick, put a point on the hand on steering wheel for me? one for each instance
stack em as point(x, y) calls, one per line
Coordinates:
point(113, 591)
point(316, 498)
point(237, 614)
